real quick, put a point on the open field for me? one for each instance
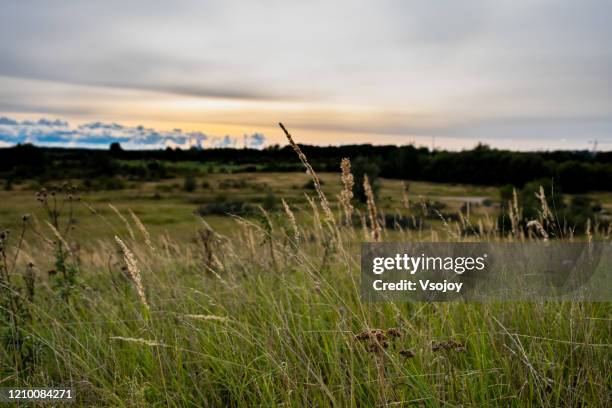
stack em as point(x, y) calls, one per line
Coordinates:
point(264, 311)
point(165, 207)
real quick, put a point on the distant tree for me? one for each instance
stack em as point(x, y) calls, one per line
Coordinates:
point(575, 176)
point(115, 148)
point(99, 163)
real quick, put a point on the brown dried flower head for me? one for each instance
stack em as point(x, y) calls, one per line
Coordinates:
point(394, 332)
point(448, 345)
point(407, 353)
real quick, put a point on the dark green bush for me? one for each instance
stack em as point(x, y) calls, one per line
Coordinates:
point(225, 208)
point(190, 183)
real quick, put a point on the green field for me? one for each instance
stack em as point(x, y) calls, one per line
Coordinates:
point(165, 207)
point(262, 311)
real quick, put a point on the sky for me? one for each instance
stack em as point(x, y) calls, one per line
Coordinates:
point(522, 74)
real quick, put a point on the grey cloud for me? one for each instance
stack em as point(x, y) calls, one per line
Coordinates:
point(549, 132)
point(100, 75)
point(481, 59)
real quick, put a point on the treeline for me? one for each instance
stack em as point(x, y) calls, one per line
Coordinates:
point(572, 171)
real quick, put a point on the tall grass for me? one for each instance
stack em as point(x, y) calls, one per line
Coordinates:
point(271, 315)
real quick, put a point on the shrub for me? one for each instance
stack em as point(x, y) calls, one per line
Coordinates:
point(269, 201)
point(103, 183)
point(224, 208)
point(190, 183)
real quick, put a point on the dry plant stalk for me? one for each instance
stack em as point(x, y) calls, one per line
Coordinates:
point(371, 209)
point(125, 221)
point(59, 236)
point(346, 195)
point(448, 227)
point(539, 228)
point(292, 220)
point(541, 196)
point(310, 171)
point(315, 214)
point(588, 231)
point(364, 225)
point(515, 215)
point(546, 213)
point(405, 197)
point(146, 342)
point(130, 262)
point(143, 230)
point(222, 319)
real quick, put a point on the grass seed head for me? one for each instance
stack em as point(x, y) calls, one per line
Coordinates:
point(132, 267)
point(372, 211)
point(346, 195)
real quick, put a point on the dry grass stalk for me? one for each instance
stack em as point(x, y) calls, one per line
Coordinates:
point(222, 319)
point(382, 220)
point(364, 225)
point(539, 228)
point(515, 203)
point(490, 226)
point(346, 195)
point(588, 231)
point(449, 229)
point(315, 214)
point(59, 236)
point(130, 262)
point(310, 171)
point(546, 213)
point(125, 221)
point(405, 197)
point(424, 208)
point(515, 215)
point(143, 230)
point(463, 219)
point(146, 342)
point(292, 221)
point(514, 225)
point(371, 209)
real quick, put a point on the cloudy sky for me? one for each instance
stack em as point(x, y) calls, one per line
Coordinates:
point(522, 74)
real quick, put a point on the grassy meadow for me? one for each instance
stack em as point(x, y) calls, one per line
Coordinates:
point(150, 301)
point(166, 208)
